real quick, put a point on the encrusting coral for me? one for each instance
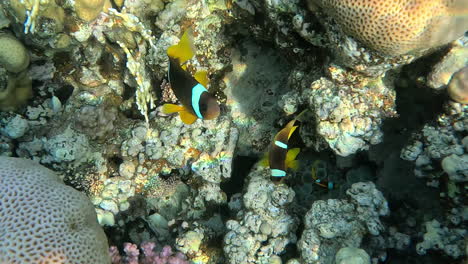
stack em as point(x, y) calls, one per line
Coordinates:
point(89, 10)
point(44, 221)
point(17, 90)
point(458, 86)
point(399, 27)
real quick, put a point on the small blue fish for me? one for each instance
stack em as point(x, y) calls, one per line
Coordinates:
point(320, 175)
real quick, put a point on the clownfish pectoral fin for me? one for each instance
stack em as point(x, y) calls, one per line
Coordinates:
point(187, 117)
point(184, 50)
point(265, 162)
point(172, 108)
point(291, 161)
point(201, 77)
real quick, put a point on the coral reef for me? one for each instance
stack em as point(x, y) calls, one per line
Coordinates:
point(349, 117)
point(332, 223)
point(441, 144)
point(442, 238)
point(263, 227)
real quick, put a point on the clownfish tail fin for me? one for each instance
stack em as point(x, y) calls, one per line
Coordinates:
point(184, 50)
point(187, 117)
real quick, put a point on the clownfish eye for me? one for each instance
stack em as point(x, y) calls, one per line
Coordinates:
point(203, 107)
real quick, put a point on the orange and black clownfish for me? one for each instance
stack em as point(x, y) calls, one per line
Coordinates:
point(196, 101)
point(280, 156)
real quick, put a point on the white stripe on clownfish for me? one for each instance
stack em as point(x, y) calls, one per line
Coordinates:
point(278, 173)
point(197, 91)
point(281, 144)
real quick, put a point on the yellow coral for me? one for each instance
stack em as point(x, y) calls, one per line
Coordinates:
point(396, 27)
point(89, 10)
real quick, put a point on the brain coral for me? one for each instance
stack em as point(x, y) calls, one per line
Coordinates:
point(43, 221)
point(396, 27)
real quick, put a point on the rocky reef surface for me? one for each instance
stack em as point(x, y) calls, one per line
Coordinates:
point(379, 89)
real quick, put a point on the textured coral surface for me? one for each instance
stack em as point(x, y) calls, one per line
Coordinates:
point(397, 27)
point(44, 221)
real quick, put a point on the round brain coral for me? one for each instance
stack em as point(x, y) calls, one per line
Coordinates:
point(397, 27)
point(43, 221)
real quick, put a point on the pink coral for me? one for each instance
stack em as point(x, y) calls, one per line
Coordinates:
point(147, 254)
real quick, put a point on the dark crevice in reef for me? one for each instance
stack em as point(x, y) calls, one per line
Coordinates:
point(406, 194)
point(116, 234)
point(64, 92)
point(241, 166)
point(405, 257)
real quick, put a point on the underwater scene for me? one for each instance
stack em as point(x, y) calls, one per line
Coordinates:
point(233, 131)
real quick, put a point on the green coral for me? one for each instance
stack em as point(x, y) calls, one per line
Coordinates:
point(13, 55)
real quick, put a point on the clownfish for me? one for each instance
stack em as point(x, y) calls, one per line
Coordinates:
point(191, 91)
point(280, 156)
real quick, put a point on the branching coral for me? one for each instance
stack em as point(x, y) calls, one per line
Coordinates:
point(398, 27)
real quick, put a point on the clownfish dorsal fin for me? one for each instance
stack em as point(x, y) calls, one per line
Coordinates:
point(187, 117)
point(291, 161)
point(172, 108)
point(201, 77)
point(292, 131)
point(184, 50)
